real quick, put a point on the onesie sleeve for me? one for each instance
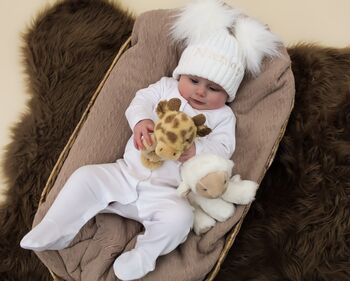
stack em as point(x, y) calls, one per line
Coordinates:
point(144, 102)
point(221, 141)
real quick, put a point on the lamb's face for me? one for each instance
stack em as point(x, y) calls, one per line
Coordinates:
point(212, 185)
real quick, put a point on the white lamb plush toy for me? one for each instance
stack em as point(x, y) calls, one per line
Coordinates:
point(207, 183)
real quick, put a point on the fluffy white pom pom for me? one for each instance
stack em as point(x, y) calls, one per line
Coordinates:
point(256, 42)
point(201, 18)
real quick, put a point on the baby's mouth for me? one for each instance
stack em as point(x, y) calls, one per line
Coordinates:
point(197, 101)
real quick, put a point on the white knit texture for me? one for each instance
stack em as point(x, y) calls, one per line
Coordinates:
point(217, 59)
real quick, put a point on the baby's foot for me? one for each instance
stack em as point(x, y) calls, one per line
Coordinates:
point(45, 236)
point(130, 265)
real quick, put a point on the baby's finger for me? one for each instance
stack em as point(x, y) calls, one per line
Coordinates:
point(140, 144)
point(150, 127)
point(181, 159)
point(147, 137)
point(138, 141)
point(183, 154)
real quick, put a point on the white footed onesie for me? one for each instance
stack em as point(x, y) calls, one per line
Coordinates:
point(130, 190)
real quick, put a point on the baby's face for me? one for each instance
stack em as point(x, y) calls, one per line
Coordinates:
point(201, 93)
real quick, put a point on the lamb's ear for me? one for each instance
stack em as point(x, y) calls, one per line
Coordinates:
point(183, 189)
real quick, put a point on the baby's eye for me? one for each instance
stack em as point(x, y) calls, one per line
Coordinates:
point(214, 89)
point(194, 81)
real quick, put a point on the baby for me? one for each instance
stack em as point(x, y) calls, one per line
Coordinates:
point(208, 75)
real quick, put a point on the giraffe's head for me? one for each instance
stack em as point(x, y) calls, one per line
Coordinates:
point(175, 131)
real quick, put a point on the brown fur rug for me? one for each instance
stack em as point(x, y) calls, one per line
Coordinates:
point(67, 52)
point(299, 225)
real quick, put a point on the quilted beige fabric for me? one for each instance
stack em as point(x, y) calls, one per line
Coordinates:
point(262, 108)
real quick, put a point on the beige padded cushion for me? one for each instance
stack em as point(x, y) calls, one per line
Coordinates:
point(262, 108)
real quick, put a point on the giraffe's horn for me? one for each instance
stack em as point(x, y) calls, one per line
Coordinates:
point(174, 104)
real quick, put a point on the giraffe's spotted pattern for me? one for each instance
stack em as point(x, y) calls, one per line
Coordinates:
point(176, 130)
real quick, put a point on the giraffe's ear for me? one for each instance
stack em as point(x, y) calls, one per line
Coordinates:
point(164, 106)
point(203, 130)
point(161, 108)
point(199, 119)
point(174, 104)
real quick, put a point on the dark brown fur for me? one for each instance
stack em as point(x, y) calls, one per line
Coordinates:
point(298, 227)
point(67, 52)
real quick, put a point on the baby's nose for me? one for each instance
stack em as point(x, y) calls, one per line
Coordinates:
point(201, 92)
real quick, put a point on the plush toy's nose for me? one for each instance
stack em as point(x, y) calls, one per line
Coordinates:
point(167, 153)
point(209, 192)
point(213, 185)
point(215, 193)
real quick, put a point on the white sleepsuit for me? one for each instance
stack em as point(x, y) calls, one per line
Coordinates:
point(129, 189)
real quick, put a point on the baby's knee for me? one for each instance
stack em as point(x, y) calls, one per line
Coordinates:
point(181, 218)
point(82, 174)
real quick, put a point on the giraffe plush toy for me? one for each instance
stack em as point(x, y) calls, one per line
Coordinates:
point(174, 132)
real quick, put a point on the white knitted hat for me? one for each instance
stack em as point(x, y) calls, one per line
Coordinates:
point(213, 52)
point(218, 59)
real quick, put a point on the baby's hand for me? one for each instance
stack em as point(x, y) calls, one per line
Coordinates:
point(142, 130)
point(190, 152)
